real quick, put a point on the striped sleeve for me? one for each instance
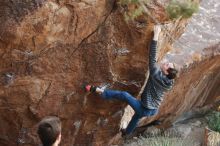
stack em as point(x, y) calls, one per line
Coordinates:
point(152, 55)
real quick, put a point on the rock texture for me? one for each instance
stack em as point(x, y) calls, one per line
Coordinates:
point(48, 48)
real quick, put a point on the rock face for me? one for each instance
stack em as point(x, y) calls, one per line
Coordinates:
point(49, 48)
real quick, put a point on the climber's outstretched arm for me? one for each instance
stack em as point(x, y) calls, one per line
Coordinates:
point(153, 48)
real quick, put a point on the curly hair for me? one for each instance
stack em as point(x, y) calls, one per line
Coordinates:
point(172, 73)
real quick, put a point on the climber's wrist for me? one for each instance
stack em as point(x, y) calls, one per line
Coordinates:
point(156, 37)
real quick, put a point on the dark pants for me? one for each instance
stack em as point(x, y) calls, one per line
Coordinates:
point(140, 111)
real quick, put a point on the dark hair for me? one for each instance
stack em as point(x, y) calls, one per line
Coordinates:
point(48, 130)
point(172, 73)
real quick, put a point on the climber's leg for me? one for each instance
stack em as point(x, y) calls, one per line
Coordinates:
point(115, 94)
point(123, 96)
point(137, 116)
point(133, 123)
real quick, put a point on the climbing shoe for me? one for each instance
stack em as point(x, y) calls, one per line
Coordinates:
point(90, 88)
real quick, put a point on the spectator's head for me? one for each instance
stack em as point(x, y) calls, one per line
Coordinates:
point(49, 131)
point(169, 70)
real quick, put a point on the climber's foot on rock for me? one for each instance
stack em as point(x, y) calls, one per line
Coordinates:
point(90, 88)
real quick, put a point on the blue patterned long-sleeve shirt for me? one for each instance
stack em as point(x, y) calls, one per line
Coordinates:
point(157, 83)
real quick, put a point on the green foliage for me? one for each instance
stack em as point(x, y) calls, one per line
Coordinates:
point(125, 2)
point(131, 15)
point(214, 121)
point(163, 141)
point(133, 9)
point(166, 141)
point(185, 8)
point(175, 9)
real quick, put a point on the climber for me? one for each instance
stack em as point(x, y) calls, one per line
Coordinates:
point(49, 131)
point(161, 79)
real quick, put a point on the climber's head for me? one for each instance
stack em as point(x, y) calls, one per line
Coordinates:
point(49, 131)
point(169, 70)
